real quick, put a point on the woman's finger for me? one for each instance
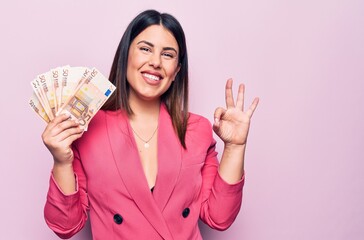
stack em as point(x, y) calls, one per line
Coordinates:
point(71, 138)
point(229, 94)
point(252, 107)
point(219, 112)
point(69, 132)
point(59, 128)
point(240, 98)
point(57, 120)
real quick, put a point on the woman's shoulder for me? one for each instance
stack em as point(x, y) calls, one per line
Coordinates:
point(98, 119)
point(101, 119)
point(199, 125)
point(194, 119)
point(105, 115)
point(98, 128)
point(199, 132)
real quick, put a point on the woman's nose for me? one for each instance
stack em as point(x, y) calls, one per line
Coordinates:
point(155, 60)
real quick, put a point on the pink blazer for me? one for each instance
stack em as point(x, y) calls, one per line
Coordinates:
point(111, 184)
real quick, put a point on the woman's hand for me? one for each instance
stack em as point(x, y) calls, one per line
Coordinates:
point(58, 137)
point(232, 124)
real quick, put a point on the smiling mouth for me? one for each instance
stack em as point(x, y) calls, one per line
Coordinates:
point(152, 77)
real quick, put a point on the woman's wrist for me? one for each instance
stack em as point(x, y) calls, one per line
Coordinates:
point(62, 167)
point(231, 148)
point(64, 175)
point(231, 166)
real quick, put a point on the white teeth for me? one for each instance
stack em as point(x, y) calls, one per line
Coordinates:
point(152, 77)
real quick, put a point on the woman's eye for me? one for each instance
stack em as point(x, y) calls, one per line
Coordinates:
point(145, 49)
point(168, 55)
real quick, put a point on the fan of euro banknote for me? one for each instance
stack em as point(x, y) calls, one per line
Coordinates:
point(77, 91)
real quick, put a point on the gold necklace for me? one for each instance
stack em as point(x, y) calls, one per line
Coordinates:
point(146, 143)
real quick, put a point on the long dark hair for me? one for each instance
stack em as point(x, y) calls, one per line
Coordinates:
point(176, 97)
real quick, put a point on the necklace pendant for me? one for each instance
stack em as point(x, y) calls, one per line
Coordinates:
point(146, 145)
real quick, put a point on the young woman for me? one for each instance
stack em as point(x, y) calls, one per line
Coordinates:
point(147, 168)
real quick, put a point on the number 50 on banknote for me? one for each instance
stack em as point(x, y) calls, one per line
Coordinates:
point(77, 91)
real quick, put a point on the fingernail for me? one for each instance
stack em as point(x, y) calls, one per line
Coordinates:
point(216, 121)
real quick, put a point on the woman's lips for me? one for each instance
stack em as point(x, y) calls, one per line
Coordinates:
point(152, 76)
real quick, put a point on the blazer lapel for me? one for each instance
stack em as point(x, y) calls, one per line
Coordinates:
point(128, 163)
point(169, 159)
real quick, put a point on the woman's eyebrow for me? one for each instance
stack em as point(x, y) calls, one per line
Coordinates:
point(146, 42)
point(152, 45)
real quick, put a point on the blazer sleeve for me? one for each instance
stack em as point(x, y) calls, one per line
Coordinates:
point(221, 201)
point(67, 214)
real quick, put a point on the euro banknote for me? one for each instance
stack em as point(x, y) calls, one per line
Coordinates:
point(77, 91)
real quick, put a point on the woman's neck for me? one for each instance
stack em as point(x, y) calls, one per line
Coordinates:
point(144, 109)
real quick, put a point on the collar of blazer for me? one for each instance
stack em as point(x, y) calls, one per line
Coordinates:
point(131, 171)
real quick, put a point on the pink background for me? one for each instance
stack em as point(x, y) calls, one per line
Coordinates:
point(304, 59)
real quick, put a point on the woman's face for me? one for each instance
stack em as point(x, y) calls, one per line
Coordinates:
point(152, 63)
